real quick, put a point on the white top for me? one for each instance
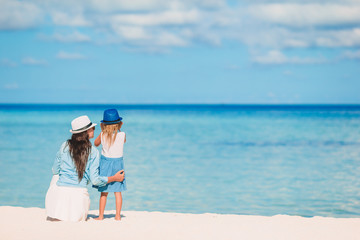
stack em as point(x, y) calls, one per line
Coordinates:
point(117, 148)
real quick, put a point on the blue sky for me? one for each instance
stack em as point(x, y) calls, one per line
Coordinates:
point(165, 51)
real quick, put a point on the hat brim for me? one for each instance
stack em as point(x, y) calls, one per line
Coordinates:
point(83, 130)
point(111, 122)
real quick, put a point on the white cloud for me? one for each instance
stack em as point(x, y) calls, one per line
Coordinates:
point(168, 39)
point(10, 86)
point(339, 38)
point(146, 30)
point(19, 15)
point(32, 61)
point(288, 73)
point(277, 57)
point(273, 57)
point(232, 67)
point(295, 43)
point(131, 32)
point(202, 33)
point(69, 56)
point(154, 24)
point(7, 63)
point(271, 94)
point(280, 38)
point(73, 37)
point(153, 19)
point(352, 54)
point(126, 5)
point(149, 41)
point(67, 38)
point(151, 5)
point(146, 49)
point(69, 19)
point(304, 15)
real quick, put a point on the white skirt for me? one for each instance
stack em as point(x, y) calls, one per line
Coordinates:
point(67, 203)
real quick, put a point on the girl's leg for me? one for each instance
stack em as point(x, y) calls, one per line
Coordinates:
point(118, 200)
point(102, 205)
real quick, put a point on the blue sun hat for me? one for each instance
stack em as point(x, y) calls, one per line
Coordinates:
point(111, 116)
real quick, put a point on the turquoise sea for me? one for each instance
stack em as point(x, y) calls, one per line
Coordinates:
point(239, 159)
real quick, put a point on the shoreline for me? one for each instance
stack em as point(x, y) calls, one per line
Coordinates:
point(30, 223)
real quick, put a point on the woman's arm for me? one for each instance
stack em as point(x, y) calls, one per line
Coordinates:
point(57, 161)
point(97, 141)
point(56, 165)
point(98, 180)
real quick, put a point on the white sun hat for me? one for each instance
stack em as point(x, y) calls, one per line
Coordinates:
point(81, 124)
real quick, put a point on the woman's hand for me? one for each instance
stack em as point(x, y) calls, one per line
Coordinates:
point(118, 177)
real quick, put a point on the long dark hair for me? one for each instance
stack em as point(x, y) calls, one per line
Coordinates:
point(80, 148)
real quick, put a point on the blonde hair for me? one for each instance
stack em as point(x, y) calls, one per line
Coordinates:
point(110, 131)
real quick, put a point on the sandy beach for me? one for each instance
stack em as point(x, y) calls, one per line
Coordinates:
point(30, 223)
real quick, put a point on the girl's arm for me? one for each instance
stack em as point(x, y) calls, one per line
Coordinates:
point(97, 141)
point(125, 138)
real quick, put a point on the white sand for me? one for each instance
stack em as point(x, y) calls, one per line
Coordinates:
point(30, 223)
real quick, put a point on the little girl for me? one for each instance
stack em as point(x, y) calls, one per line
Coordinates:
point(111, 161)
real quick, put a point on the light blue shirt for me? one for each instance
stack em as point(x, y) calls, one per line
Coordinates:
point(64, 166)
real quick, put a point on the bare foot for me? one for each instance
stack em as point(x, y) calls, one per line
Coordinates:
point(118, 218)
point(99, 218)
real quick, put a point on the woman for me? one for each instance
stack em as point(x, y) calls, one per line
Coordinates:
point(76, 164)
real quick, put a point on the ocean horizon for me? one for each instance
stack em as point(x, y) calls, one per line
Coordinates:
point(252, 159)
